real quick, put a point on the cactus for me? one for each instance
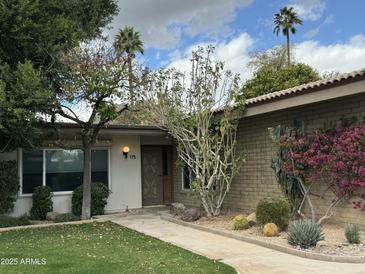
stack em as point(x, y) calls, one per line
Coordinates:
point(352, 233)
point(304, 233)
point(240, 222)
point(270, 230)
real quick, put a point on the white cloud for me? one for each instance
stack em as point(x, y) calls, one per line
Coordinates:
point(312, 33)
point(341, 57)
point(234, 53)
point(163, 22)
point(311, 10)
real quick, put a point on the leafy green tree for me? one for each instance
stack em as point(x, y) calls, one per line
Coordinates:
point(95, 77)
point(284, 22)
point(129, 42)
point(39, 30)
point(33, 33)
point(268, 79)
point(23, 94)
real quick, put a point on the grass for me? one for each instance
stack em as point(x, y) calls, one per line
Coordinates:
point(98, 248)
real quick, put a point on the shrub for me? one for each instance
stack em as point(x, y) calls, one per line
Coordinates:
point(65, 217)
point(270, 230)
point(9, 185)
point(99, 196)
point(240, 222)
point(273, 211)
point(7, 221)
point(352, 233)
point(304, 233)
point(42, 203)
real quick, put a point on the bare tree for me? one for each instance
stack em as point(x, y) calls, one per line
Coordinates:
point(199, 112)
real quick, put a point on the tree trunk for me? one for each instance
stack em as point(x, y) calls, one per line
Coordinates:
point(86, 200)
point(288, 47)
point(130, 79)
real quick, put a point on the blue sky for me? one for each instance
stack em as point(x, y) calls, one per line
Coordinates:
point(332, 37)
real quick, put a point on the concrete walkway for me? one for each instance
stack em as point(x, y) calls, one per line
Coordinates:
point(245, 257)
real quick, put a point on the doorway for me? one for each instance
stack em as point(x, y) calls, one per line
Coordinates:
point(156, 175)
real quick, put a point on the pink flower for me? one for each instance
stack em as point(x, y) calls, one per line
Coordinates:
point(362, 171)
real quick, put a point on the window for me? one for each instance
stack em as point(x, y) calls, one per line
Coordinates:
point(62, 170)
point(99, 166)
point(187, 177)
point(32, 170)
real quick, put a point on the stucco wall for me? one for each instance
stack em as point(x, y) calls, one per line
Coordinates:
point(124, 177)
point(256, 179)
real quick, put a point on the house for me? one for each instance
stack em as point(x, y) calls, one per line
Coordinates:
point(148, 175)
point(131, 160)
point(314, 105)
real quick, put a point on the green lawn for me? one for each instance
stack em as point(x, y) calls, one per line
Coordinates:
point(97, 248)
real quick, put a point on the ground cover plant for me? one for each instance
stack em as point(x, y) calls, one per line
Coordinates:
point(99, 248)
point(7, 221)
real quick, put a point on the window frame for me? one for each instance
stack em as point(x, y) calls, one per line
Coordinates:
point(55, 193)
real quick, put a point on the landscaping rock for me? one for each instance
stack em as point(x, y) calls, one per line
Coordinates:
point(177, 208)
point(51, 215)
point(190, 214)
point(252, 219)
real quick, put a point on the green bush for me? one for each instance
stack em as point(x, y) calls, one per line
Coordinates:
point(240, 222)
point(304, 233)
point(42, 203)
point(7, 221)
point(99, 196)
point(352, 233)
point(9, 185)
point(65, 217)
point(273, 211)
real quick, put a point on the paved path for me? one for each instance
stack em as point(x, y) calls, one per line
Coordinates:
point(245, 257)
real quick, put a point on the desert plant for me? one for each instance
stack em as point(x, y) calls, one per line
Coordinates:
point(273, 211)
point(270, 230)
point(65, 217)
point(240, 222)
point(99, 196)
point(42, 202)
point(9, 185)
point(305, 233)
point(352, 233)
point(6, 221)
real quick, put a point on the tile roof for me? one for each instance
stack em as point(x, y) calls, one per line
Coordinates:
point(308, 86)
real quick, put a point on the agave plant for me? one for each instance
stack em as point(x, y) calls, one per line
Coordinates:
point(304, 233)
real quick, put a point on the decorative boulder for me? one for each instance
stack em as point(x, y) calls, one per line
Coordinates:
point(51, 215)
point(190, 214)
point(251, 219)
point(177, 209)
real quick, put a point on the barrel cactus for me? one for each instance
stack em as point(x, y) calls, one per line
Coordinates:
point(240, 222)
point(270, 230)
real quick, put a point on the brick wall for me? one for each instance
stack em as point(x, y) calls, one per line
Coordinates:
point(256, 179)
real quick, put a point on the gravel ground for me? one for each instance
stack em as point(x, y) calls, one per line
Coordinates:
point(334, 244)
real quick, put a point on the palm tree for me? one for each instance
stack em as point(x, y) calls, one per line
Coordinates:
point(284, 21)
point(129, 42)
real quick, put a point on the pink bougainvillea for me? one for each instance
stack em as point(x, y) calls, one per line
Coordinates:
point(335, 157)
